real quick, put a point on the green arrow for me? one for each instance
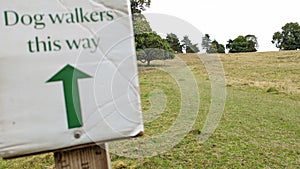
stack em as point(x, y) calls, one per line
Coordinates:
point(69, 76)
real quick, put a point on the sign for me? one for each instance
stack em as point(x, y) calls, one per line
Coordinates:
point(68, 75)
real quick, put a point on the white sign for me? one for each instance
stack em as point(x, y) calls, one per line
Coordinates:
point(68, 75)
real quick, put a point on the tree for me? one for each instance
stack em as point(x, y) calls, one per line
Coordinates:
point(140, 24)
point(150, 46)
point(212, 46)
point(289, 38)
point(188, 46)
point(247, 43)
point(252, 42)
point(137, 6)
point(173, 40)
point(206, 43)
point(216, 47)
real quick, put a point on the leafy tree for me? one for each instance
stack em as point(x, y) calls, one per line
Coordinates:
point(216, 47)
point(247, 43)
point(137, 6)
point(150, 46)
point(252, 42)
point(278, 40)
point(221, 48)
point(289, 38)
point(174, 42)
point(140, 24)
point(188, 46)
point(206, 43)
point(212, 46)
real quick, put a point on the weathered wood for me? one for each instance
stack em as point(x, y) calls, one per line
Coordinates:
point(93, 157)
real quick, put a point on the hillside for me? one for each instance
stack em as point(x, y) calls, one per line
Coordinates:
point(279, 70)
point(259, 128)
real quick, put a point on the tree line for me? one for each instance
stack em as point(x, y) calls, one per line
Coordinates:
point(150, 46)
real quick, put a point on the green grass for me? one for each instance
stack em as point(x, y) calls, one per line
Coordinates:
point(260, 127)
point(44, 161)
point(279, 70)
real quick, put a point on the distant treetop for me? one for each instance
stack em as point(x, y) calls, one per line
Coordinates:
point(137, 6)
point(288, 38)
point(246, 43)
point(212, 46)
point(189, 46)
point(174, 42)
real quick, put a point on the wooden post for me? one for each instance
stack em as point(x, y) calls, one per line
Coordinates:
point(93, 157)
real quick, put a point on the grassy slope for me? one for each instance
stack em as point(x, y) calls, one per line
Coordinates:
point(260, 127)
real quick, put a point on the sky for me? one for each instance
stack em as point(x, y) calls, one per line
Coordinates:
point(223, 19)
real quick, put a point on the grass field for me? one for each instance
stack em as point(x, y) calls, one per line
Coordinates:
point(260, 127)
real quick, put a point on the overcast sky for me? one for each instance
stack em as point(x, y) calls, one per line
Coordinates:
point(227, 19)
